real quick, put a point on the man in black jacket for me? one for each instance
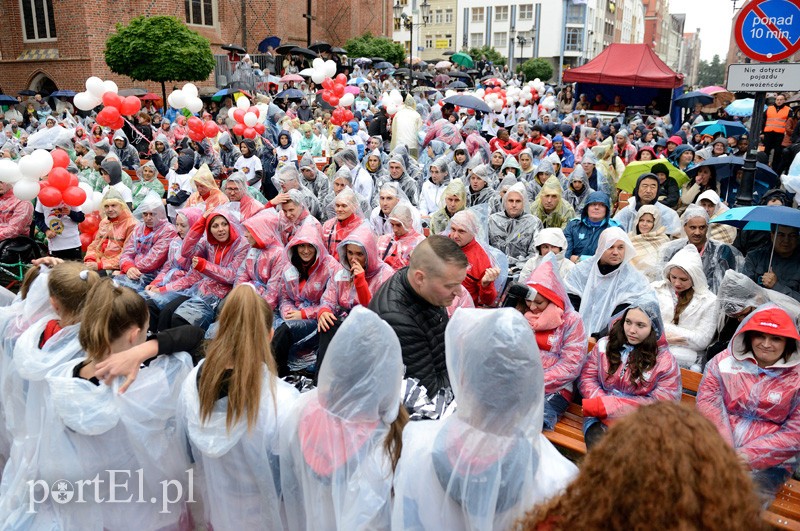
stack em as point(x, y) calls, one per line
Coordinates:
point(414, 302)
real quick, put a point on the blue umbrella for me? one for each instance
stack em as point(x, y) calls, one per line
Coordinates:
point(760, 218)
point(383, 65)
point(291, 94)
point(363, 61)
point(468, 102)
point(269, 41)
point(457, 85)
point(691, 98)
point(741, 107)
point(7, 100)
point(726, 127)
point(357, 81)
point(63, 94)
point(726, 167)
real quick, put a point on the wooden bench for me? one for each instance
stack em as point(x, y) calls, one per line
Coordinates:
point(784, 513)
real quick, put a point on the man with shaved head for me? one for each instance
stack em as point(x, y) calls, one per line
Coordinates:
point(414, 302)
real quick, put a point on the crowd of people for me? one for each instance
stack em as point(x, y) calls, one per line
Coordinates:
point(369, 326)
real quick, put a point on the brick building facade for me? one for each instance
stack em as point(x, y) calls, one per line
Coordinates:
point(57, 44)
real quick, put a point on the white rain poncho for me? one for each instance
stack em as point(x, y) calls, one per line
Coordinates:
point(555, 238)
point(92, 429)
point(515, 236)
point(335, 471)
point(238, 469)
point(600, 294)
point(484, 466)
point(737, 292)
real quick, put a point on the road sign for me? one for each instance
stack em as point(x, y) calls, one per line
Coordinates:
point(754, 77)
point(768, 30)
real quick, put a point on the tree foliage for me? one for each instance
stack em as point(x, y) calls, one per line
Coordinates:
point(533, 68)
point(159, 49)
point(712, 73)
point(491, 54)
point(367, 45)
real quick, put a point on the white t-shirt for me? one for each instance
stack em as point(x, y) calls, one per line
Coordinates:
point(285, 156)
point(57, 220)
point(249, 167)
point(123, 190)
point(175, 183)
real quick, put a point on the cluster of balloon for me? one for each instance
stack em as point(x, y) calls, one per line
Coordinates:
point(61, 186)
point(92, 97)
point(341, 116)
point(88, 228)
point(392, 101)
point(248, 122)
point(333, 92)
point(495, 98)
point(186, 98)
point(115, 107)
point(198, 130)
point(26, 173)
point(320, 70)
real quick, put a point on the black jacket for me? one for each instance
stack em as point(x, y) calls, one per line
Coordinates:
point(419, 327)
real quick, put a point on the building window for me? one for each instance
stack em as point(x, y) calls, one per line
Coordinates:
point(397, 24)
point(448, 16)
point(500, 39)
point(526, 12)
point(449, 38)
point(438, 18)
point(576, 13)
point(477, 14)
point(476, 40)
point(428, 42)
point(38, 21)
point(574, 40)
point(200, 12)
point(501, 13)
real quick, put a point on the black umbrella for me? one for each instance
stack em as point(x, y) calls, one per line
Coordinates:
point(320, 46)
point(234, 48)
point(468, 102)
point(7, 100)
point(383, 65)
point(460, 75)
point(338, 51)
point(132, 92)
point(448, 53)
point(304, 51)
point(473, 72)
point(377, 59)
point(27, 92)
point(457, 85)
point(402, 72)
point(285, 49)
point(422, 64)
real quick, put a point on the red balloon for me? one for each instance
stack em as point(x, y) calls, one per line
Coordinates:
point(50, 196)
point(195, 124)
point(119, 124)
point(334, 100)
point(238, 129)
point(73, 180)
point(338, 89)
point(74, 196)
point(253, 109)
point(60, 158)
point(341, 79)
point(90, 224)
point(110, 116)
point(249, 132)
point(86, 241)
point(259, 127)
point(327, 83)
point(130, 106)
point(238, 115)
point(195, 136)
point(326, 95)
point(211, 129)
point(59, 178)
point(111, 99)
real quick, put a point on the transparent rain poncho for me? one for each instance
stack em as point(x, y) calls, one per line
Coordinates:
point(600, 294)
point(487, 464)
point(335, 471)
point(737, 292)
point(237, 470)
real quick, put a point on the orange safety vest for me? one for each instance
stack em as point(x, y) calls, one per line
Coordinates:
point(776, 119)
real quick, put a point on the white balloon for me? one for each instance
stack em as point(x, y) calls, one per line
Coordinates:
point(391, 108)
point(92, 203)
point(329, 68)
point(29, 168)
point(177, 99)
point(317, 76)
point(479, 93)
point(26, 190)
point(110, 86)
point(449, 93)
point(84, 101)
point(94, 85)
point(190, 89)
point(44, 160)
point(195, 105)
point(347, 99)
point(318, 63)
point(263, 111)
point(250, 119)
point(9, 171)
point(86, 206)
point(498, 106)
point(306, 72)
point(243, 103)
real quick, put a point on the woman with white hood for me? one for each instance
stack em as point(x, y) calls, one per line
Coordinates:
point(714, 206)
point(688, 307)
point(548, 241)
point(433, 187)
point(232, 405)
point(341, 442)
point(605, 283)
point(483, 466)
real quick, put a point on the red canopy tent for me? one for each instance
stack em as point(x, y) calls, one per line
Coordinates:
point(633, 65)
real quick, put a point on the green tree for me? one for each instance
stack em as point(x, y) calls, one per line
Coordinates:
point(533, 68)
point(367, 45)
point(161, 49)
point(491, 55)
point(712, 73)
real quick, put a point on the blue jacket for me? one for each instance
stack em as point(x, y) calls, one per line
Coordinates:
point(582, 236)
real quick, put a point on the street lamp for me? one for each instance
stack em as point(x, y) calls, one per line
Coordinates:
point(408, 23)
point(522, 41)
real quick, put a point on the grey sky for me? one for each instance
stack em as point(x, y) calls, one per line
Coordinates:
point(713, 17)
